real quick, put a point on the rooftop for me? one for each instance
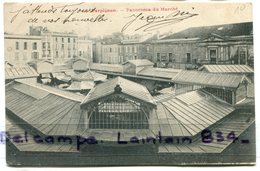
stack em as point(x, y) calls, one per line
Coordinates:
point(89, 76)
point(140, 62)
point(236, 29)
point(49, 110)
point(208, 79)
point(159, 72)
point(107, 67)
point(244, 69)
point(14, 72)
point(128, 87)
point(190, 113)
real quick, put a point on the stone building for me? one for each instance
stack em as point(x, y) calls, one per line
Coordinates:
point(220, 44)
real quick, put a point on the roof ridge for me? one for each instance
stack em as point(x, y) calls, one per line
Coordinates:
point(54, 91)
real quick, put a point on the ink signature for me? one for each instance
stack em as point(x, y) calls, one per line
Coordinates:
point(153, 22)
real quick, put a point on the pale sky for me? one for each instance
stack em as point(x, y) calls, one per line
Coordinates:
point(208, 14)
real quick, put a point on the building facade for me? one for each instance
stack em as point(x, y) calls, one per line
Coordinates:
point(59, 47)
point(20, 49)
point(85, 49)
point(221, 44)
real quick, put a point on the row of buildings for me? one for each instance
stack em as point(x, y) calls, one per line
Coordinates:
point(220, 44)
point(188, 49)
point(42, 44)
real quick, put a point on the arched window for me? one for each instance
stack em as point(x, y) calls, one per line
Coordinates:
point(118, 113)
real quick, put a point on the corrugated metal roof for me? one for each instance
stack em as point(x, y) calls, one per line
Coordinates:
point(237, 122)
point(208, 79)
point(49, 112)
point(159, 72)
point(140, 62)
point(89, 76)
point(190, 113)
point(239, 69)
point(128, 87)
point(14, 72)
point(107, 67)
point(31, 145)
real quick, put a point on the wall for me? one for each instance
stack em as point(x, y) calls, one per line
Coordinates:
point(22, 55)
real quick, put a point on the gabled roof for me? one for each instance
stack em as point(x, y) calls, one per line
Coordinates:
point(190, 113)
point(237, 29)
point(158, 72)
point(140, 62)
point(238, 69)
point(14, 72)
point(208, 79)
point(89, 76)
point(49, 110)
point(128, 87)
point(235, 121)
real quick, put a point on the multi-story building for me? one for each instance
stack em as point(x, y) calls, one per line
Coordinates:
point(221, 44)
point(59, 47)
point(137, 47)
point(20, 49)
point(85, 49)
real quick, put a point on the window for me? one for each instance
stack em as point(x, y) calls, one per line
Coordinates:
point(118, 113)
point(225, 95)
point(44, 45)
point(34, 45)
point(133, 49)
point(68, 40)
point(171, 57)
point(74, 40)
point(25, 45)
point(17, 45)
point(188, 56)
point(56, 39)
point(49, 45)
point(62, 46)
point(242, 56)
point(110, 49)
point(158, 57)
point(57, 54)
point(163, 57)
point(62, 39)
point(213, 56)
point(80, 53)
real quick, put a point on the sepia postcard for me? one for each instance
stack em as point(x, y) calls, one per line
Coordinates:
point(129, 84)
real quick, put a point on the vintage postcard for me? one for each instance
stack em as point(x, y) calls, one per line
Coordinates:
point(115, 84)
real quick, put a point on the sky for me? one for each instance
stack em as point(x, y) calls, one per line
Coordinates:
point(18, 17)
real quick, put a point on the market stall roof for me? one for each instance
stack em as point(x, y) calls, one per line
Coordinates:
point(159, 72)
point(237, 122)
point(140, 62)
point(89, 76)
point(22, 71)
point(107, 67)
point(49, 110)
point(127, 87)
point(235, 69)
point(209, 79)
point(188, 114)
